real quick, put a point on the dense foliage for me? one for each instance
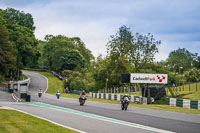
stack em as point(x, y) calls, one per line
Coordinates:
point(127, 52)
point(20, 28)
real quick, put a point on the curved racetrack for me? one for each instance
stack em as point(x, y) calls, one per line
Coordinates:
point(100, 117)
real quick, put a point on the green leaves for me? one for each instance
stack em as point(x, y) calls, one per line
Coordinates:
point(180, 60)
point(20, 27)
point(7, 58)
point(138, 49)
point(71, 60)
point(16, 17)
point(192, 75)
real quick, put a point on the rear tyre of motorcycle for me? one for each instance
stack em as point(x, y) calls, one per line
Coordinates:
point(125, 106)
point(122, 107)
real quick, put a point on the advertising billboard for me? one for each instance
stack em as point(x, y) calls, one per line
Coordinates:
point(149, 78)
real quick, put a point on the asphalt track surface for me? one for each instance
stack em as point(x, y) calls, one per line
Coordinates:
point(60, 113)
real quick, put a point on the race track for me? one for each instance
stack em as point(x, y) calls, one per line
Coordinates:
point(100, 117)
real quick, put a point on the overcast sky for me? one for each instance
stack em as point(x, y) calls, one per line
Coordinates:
point(175, 22)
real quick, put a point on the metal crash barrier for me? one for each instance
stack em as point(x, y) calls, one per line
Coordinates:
point(20, 89)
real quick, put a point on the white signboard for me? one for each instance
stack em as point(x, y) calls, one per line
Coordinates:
point(23, 89)
point(149, 78)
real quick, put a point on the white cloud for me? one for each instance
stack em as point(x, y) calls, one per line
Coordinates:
point(175, 23)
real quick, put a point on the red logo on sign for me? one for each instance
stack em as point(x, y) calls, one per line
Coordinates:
point(160, 79)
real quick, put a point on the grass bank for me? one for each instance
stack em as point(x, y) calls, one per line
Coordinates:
point(12, 121)
point(54, 83)
point(188, 91)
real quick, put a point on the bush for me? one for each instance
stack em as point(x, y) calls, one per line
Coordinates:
point(192, 75)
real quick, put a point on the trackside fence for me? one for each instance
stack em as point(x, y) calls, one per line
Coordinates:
point(117, 97)
point(184, 103)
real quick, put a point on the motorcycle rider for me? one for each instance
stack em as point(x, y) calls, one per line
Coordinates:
point(58, 94)
point(82, 93)
point(125, 95)
point(122, 100)
point(40, 92)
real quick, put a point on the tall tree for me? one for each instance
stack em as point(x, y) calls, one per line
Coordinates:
point(54, 48)
point(7, 58)
point(180, 60)
point(143, 49)
point(120, 43)
point(86, 53)
point(17, 17)
point(139, 49)
point(20, 27)
point(71, 60)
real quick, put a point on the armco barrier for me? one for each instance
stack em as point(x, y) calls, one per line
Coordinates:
point(185, 103)
point(179, 102)
point(167, 101)
point(173, 102)
point(134, 99)
point(118, 98)
point(198, 104)
point(194, 104)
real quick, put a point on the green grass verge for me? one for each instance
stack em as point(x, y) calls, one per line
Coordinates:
point(185, 93)
point(138, 93)
point(12, 121)
point(55, 83)
point(24, 77)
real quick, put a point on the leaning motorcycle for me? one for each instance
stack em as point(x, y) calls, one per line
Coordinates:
point(39, 94)
point(82, 100)
point(124, 103)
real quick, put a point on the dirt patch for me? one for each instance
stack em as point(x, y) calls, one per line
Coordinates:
point(4, 84)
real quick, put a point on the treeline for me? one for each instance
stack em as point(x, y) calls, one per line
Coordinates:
point(18, 43)
point(127, 52)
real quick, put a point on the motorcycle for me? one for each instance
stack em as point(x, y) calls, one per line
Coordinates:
point(124, 103)
point(82, 100)
point(39, 94)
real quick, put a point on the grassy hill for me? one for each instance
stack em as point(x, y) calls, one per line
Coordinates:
point(188, 91)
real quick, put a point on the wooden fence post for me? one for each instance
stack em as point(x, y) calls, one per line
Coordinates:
point(189, 86)
point(196, 86)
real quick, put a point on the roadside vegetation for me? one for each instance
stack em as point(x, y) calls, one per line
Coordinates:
point(12, 121)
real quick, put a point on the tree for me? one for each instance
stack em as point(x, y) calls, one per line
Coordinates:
point(180, 60)
point(20, 27)
point(139, 49)
point(16, 17)
point(7, 58)
point(196, 61)
point(77, 81)
point(192, 75)
point(80, 46)
point(54, 48)
point(120, 43)
point(143, 49)
point(71, 60)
